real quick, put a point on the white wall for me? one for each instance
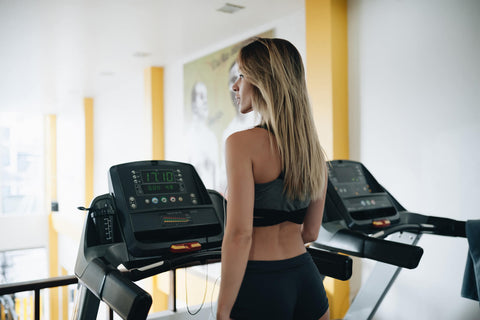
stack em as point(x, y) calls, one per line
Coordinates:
point(122, 125)
point(414, 92)
point(71, 158)
point(121, 134)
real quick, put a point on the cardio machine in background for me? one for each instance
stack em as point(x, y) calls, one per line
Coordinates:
point(359, 215)
point(157, 217)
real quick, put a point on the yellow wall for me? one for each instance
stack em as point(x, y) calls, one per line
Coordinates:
point(154, 99)
point(89, 150)
point(327, 72)
point(327, 78)
point(51, 195)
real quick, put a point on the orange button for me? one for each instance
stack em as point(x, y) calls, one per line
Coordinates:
point(381, 223)
point(185, 247)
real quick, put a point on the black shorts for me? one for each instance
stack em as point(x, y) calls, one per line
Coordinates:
point(285, 289)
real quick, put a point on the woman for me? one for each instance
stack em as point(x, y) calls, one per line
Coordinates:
point(277, 177)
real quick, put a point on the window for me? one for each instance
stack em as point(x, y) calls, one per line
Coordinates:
point(21, 164)
point(21, 196)
point(17, 265)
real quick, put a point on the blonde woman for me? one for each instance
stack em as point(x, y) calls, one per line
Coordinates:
point(276, 175)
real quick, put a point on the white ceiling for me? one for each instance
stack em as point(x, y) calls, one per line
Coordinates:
point(50, 49)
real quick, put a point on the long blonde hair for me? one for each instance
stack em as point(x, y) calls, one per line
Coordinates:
point(275, 68)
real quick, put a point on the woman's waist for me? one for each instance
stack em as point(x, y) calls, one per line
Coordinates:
point(276, 243)
point(275, 255)
point(270, 266)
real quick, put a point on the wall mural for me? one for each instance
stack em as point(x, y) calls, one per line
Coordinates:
point(211, 114)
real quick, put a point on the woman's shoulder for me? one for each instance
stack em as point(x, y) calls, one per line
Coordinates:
point(256, 146)
point(247, 141)
point(255, 132)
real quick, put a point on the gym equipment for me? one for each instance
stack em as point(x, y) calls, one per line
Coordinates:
point(359, 215)
point(157, 217)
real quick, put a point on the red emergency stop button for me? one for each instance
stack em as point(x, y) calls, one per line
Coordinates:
point(381, 223)
point(185, 247)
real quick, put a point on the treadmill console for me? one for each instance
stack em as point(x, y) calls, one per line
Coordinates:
point(163, 207)
point(355, 196)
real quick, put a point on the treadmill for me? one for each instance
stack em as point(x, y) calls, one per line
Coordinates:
point(360, 219)
point(157, 217)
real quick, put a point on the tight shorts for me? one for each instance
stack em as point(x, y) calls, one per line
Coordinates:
point(285, 289)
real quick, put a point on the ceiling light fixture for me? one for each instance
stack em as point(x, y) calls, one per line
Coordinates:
point(230, 8)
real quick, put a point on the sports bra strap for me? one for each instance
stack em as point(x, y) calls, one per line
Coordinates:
point(270, 217)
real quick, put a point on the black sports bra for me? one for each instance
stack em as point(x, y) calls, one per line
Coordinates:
point(273, 207)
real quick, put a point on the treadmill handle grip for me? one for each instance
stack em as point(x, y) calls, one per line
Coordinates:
point(361, 245)
point(125, 297)
point(399, 254)
point(331, 264)
point(114, 288)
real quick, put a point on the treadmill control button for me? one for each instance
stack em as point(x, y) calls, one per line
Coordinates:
point(381, 223)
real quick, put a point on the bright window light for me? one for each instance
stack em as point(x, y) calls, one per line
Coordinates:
point(21, 164)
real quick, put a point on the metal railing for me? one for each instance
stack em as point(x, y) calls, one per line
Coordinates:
point(36, 286)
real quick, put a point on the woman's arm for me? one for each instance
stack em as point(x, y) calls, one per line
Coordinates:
point(313, 218)
point(237, 238)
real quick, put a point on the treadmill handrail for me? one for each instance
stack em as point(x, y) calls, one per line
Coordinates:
point(361, 245)
point(328, 263)
point(332, 264)
point(116, 290)
point(192, 259)
point(440, 225)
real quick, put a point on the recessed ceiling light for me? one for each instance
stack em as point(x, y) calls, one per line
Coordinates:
point(230, 8)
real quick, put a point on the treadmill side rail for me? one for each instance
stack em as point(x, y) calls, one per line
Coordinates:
point(361, 245)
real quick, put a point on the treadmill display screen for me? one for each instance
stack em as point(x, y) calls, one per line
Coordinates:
point(160, 188)
point(157, 176)
point(362, 198)
point(346, 174)
point(160, 181)
point(349, 180)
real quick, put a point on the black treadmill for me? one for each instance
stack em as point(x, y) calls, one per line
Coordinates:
point(157, 217)
point(359, 215)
